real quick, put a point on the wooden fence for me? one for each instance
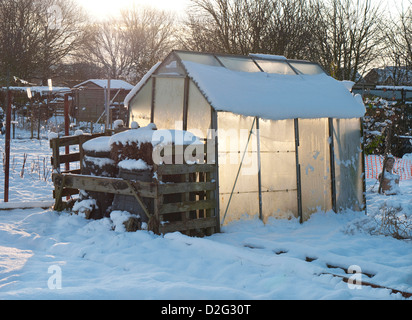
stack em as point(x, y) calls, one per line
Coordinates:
point(183, 196)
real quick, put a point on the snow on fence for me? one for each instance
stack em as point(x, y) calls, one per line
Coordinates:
point(374, 163)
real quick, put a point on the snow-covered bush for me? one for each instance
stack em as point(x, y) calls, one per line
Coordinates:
point(380, 116)
point(394, 221)
point(390, 219)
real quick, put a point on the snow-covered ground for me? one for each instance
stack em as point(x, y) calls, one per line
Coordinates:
point(50, 255)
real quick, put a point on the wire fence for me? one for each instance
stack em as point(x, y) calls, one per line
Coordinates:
point(374, 163)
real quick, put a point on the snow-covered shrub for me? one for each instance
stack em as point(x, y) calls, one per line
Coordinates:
point(394, 221)
point(390, 219)
point(381, 115)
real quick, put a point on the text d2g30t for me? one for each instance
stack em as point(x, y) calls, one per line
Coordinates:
point(227, 309)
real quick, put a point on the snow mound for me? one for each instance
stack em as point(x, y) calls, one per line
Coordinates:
point(100, 144)
point(155, 137)
point(131, 164)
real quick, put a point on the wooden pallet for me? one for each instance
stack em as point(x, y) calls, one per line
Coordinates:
point(184, 196)
point(193, 207)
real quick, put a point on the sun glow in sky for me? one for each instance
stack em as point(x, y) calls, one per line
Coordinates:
point(101, 9)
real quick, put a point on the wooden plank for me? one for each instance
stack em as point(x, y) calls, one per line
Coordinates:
point(64, 158)
point(210, 195)
point(66, 192)
point(64, 141)
point(55, 151)
point(186, 187)
point(201, 176)
point(170, 169)
point(188, 225)
point(185, 198)
point(106, 185)
point(74, 171)
point(53, 142)
point(58, 205)
point(158, 202)
point(82, 140)
point(187, 206)
point(71, 157)
point(139, 199)
point(74, 140)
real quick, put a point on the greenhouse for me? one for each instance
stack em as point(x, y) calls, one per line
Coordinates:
point(287, 136)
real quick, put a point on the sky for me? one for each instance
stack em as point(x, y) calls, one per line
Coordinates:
point(101, 9)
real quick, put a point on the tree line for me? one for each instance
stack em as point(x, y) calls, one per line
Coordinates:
point(42, 39)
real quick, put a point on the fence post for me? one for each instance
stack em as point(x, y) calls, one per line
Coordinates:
point(7, 146)
point(66, 125)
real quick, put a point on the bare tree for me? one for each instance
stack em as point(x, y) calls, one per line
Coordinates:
point(398, 51)
point(349, 37)
point(199, 33)
point(230, 26)
point(293, 26)
point(19, 38)
point(342, 35)
point(283, 27)
point(150, 35)
point(37, 35)
point(128, 46)
point(62, 23)
point(106, 45)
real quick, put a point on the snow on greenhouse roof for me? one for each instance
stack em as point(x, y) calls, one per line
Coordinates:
point(274, 96)
point(262, 85)
point(267, 56)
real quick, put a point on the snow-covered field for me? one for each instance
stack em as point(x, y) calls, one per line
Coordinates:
point(50, 255)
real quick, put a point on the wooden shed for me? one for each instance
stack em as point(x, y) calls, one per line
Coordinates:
point(287, 136)
point(90, 99)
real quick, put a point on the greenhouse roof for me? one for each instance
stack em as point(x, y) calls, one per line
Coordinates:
point(253, 63)
point(267, 86)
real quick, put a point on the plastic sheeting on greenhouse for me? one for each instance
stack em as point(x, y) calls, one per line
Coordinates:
point(286, 136)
